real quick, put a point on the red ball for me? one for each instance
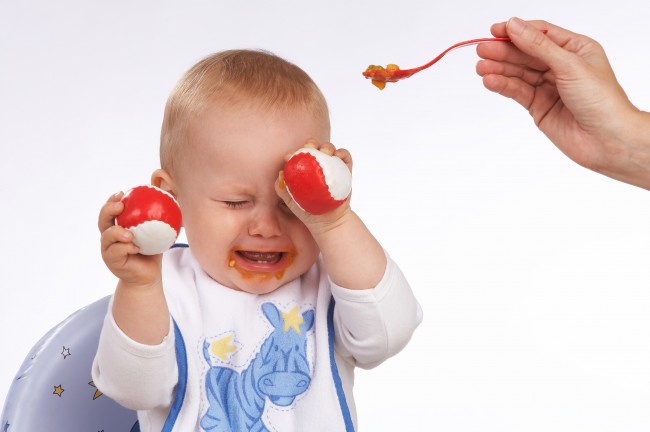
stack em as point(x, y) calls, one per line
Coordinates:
point(317, 182)
point(153, 216)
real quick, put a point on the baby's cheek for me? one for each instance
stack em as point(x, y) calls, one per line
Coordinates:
point(306, 248)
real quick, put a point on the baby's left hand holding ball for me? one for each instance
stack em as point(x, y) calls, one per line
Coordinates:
point(318, 182)
point(153, 217)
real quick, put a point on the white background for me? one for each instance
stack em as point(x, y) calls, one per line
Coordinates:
point(532, 271)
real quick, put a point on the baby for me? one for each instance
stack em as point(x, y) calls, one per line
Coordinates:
point(258, 324)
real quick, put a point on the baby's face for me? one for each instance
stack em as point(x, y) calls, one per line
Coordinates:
point(239, 230)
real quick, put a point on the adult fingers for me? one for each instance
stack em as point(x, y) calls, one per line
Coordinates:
point(499, 29)
point(514, 88)
point(548, 47)
point(509, 53)
point(528, 75)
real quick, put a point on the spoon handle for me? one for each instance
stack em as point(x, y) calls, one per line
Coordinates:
point(454, 46)
point(392, 73)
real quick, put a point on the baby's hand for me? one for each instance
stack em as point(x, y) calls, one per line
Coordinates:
point(353, 257)
point(300, 190)
point(120, 253)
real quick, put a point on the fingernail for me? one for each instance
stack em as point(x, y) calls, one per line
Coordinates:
point(515, 25)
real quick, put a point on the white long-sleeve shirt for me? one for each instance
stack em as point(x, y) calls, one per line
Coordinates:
point(235, 361)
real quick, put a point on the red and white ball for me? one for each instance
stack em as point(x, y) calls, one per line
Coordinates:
point(317, 182)
point(153, 216)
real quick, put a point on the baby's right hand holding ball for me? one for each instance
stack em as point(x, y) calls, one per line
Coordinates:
point(136, 228)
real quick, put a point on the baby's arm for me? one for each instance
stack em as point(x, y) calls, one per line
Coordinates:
point(135, 363)
point(353, 257)
point(373, 325)
point(376, 311)
point(139, 305)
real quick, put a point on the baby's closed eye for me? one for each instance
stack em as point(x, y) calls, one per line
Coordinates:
point(235, 204)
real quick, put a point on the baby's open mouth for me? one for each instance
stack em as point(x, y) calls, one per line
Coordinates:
point(264, 264)
point(261, 257)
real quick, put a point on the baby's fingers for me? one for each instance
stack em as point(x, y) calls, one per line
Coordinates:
point(345, 156)
point(281, 188)
point(117, 247)
point(327, 148)
point(116, 235)
point(330, 150)
point(110, 210)
point(282, 191)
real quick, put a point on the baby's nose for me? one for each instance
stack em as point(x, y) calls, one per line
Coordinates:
point(265, 223)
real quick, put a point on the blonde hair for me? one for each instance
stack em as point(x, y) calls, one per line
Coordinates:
point(232, 77)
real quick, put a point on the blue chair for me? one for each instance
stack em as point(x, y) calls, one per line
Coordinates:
point(53, 389)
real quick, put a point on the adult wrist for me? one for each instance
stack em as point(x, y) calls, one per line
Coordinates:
point(629, 159)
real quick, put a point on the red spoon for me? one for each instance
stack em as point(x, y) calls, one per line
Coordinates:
point(392, 73)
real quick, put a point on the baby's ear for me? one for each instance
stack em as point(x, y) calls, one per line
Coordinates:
point(163, 180)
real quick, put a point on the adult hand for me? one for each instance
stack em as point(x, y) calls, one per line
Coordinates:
point(566, 83)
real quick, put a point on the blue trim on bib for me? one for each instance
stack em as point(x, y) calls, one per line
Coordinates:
point(345, 411)
point(179, 397)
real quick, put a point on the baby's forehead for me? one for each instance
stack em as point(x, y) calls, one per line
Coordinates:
point(256, 113)
point(263, 103)
point(226, 130)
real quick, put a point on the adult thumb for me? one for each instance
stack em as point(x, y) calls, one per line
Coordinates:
point(532, 41)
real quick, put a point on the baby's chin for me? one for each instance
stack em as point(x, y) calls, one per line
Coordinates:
point(258, 284)
point(252, 282)
point(258, 289)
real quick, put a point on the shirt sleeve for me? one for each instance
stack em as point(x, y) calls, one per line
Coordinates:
point(374, 324)
point(135, 375)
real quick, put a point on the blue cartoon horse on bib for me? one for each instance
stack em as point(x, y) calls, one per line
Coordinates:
point(278, 373)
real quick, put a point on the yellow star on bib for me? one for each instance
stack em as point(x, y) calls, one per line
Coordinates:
point(223, 347)
point(292, 320)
